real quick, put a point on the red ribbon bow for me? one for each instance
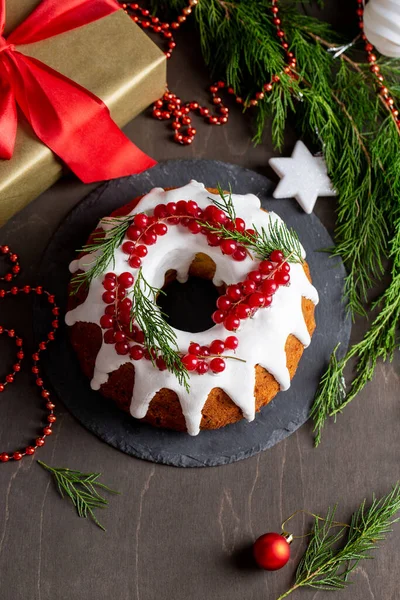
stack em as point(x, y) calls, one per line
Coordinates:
point(70, 120)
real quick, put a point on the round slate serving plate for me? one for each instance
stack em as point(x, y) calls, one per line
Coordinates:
point(277, 420)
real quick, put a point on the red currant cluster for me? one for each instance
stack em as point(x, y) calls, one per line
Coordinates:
point(243, 299)
point(240, 300)
point(197, 357)
point(45, 394)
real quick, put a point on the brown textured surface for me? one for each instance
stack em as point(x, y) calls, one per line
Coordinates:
point(165, 409)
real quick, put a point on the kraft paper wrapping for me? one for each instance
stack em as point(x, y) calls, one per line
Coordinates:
point(112, 58)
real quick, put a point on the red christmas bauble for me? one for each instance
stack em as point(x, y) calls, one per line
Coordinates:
point(271, 551)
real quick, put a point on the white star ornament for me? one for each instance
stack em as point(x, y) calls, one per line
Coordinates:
point(303, 176)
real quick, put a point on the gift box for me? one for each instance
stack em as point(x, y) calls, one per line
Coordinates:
point(112, 58)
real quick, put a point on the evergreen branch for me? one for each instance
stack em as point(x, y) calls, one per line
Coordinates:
point(81, 489)
point(160, 338)
point(331, 557)
point(277, 235)
point(100, 252)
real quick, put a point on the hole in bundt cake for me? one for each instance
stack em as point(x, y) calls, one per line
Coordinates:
point(189, 305)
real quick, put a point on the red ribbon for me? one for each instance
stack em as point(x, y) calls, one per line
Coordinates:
point(70, 120)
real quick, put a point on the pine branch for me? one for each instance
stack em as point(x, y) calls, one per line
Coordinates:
point(330, 558)
point(277, 236)
point(160, 338)
point(101, 251)
point(81, 489)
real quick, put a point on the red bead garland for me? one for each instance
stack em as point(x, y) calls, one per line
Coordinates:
point(240, 301)
point(170, 107)
point(374, 68)
point(47, 430)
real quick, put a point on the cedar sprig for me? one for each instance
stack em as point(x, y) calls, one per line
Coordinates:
point(277, 235)
point(331, 557)
point(159, 336)
point(100, 252)
point(81, 489)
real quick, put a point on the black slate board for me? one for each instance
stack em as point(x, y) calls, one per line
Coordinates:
point(287, 412)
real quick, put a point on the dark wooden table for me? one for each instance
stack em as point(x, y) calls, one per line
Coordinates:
point(175, 533)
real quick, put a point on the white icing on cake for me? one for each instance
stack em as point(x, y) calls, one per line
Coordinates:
point(262, 338)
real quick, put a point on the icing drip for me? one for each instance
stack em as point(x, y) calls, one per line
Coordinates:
point(262, 338)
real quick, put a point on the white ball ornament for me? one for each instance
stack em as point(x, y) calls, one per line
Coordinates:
point(382, 26)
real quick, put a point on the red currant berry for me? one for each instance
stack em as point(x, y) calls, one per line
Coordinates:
point(218, 316)
point(281, 278)
point(149, 238)
point(122, 348)
point(141, 251)
point(119, 336)
point(224, 303)
point(106, 321)
point(108, 297)
point(218, 215)
point(110, 310)
point(136, 352)
point(217, 365)
point(228, 247)
point(134, 261)
point(161, 364)
point(128, 248)
point(109, 284)
point(243, 311)
point(140, 220)
point(192, 208)
point(139, 337)
point(171, 208)
point(231, 323)
point(285, 267)
point(160, 211)
point(267, 301)
point(213, 239)
point(256, 300)
point(194, 227)
point(231, 342)
point(190, 361)
point(234, 292)
point(277, 256)
point(217, 347)
point(239, 254)
point(202, 367)
point(133, 233)
point(205, 351)
point(255, 276)
point(160, 228)
point(266, 267)
point(126, 280)
point(250, 233)
point(126, 304)
point(248, 286)
point(181, 207)
point(194, 348)
point(240, 225)
point(269, 287)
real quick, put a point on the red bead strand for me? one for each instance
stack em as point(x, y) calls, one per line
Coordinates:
point(375, 69)
point(47, 429)
point(170, 107)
